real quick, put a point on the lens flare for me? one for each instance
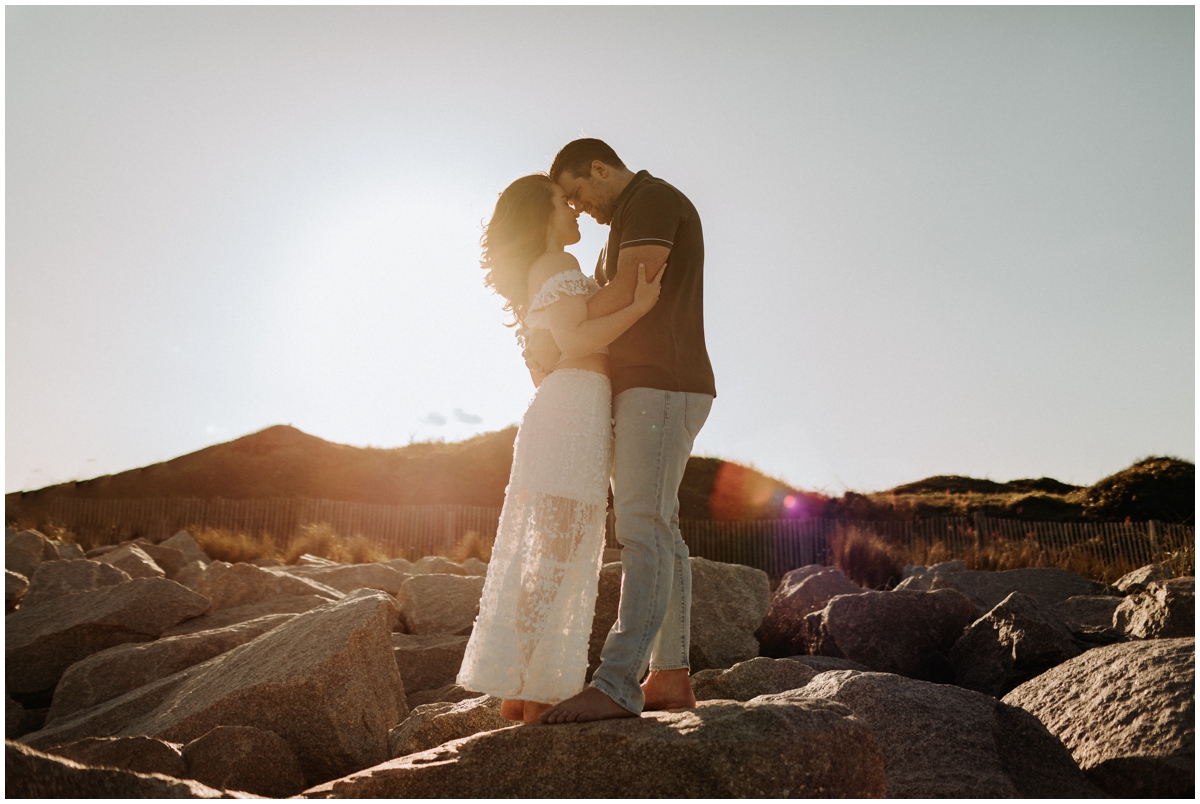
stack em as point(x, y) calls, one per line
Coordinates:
point(740, 492)
point(790, 502)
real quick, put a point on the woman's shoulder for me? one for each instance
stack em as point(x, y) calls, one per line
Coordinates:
point(550, 265)
point(562, 278)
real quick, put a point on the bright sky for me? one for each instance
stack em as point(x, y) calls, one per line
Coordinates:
point(940, 240)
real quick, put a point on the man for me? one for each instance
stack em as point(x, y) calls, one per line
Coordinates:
point(662, 392)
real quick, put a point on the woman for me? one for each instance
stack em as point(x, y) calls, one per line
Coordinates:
point(530, 641)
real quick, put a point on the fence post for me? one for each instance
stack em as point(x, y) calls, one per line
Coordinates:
point(979, 524)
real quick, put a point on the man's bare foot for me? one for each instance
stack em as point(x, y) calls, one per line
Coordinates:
point(533, 711)
point(668, 689)
point(591, 704)
point(512, 709)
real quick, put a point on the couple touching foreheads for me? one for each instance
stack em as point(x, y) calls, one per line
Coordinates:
point(624, 384)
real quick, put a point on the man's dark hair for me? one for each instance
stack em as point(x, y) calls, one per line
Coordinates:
point(577, 157)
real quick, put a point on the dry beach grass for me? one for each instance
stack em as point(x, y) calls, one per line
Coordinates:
point(317, 539)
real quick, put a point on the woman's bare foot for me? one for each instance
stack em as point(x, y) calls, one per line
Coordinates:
point(533, 711)
point(512, 709)
point(668, 689)
point(591, 704)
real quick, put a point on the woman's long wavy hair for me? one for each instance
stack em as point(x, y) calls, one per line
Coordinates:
point(515, 237)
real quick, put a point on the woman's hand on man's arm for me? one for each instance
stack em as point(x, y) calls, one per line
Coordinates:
point(619, 292)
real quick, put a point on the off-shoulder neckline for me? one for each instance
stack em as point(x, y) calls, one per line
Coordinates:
point(575, 270)
point(552, 277)
point(547, 286)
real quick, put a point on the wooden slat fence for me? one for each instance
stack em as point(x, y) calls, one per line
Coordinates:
point(775, 546)
point(1138, 543)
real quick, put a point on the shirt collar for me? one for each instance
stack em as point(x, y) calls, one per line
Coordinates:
point(637, 179)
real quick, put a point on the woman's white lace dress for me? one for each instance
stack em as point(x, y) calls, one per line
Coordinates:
point(530, 640)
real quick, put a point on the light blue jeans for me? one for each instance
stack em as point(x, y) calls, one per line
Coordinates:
point(654, 435)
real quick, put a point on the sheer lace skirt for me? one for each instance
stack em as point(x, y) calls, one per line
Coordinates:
point(530, 639)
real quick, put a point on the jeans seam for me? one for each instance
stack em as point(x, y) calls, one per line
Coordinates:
point(647, 640)
point(679, 572)
point(678, 563)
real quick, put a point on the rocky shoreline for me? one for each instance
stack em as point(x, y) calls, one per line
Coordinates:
point(145, 669)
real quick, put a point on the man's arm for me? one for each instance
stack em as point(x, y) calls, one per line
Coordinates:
point(619, 292)
point(541, 353)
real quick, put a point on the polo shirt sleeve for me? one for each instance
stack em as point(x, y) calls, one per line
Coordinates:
point(652, 218)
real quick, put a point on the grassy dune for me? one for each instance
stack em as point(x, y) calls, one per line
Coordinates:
point(282, 461)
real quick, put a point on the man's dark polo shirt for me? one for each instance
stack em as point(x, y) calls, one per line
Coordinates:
point(665, 348)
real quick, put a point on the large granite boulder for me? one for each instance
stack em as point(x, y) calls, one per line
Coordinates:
point(12, 716)
point(184, 543)
point(402, 565)
point(439, 604)
point(729, 602)
point(15, 587)
point(189, 576)
point(284, 604)
point(43, 641)
point(348, 577)
point(1167, 609)
point(433, 724)
point(231, 586)
point(1127, 714)
point(801, 592)
point(53, 579)
point(33, 774)
point(451, 693)
point(95, 552)
point(919, 577)
point(608, 599)
point(168, 558)
point(1084, 612)
point(905, 632)
point(428, 661)
point(940, 741)
point(19, 721)
point(1046, 585)
point(134, 561)
point(326, 682)
point(914, 583)
point(1089, 618)
point(721, 749)
point(244, 758)
point(1133, 582)
point(473, 566)
point(437, 565)
point(65, 551)
point(1009, 645)
point(751, 678)
point(267, 561)
point(24, 550)
point(113, 672)
point(138, 754)
point(823, 664)
point(309, 560)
